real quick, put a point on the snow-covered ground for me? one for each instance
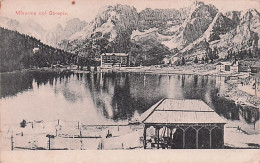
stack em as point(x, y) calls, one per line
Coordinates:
point(237, 139)
point(95, 137)
point(71, 137)
point(139, 33)
point(249, 89)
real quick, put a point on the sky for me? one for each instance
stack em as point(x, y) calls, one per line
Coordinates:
point(87, 9)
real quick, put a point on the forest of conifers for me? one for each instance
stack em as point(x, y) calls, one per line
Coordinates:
point(19, 51)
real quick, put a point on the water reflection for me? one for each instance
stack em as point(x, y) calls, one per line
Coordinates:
point(110, 96)
point(13, 83)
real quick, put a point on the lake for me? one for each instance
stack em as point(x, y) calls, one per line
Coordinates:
point(108, 98)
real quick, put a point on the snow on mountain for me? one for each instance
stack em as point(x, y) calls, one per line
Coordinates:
point(50, 37)
point(34, 29)
point(29, 27)
point(111, 29)
point(59, 33)
point(108, 20)
point(234, 31)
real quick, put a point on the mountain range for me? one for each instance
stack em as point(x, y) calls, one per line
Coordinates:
point(51, 37)
point(152, 34)
point(187, 32)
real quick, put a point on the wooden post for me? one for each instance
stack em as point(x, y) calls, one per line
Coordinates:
point(158, 137)
point(183, 139)
point(81, 144)
point(12, 143)
point(197, 139)
point(49, 143)
point(78, 125)
point(210, 139)
point(102, 144)
point(222, 136)
point(144, 137)
point(170, 137)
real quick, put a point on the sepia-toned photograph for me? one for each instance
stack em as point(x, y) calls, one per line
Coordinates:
point(163, 76)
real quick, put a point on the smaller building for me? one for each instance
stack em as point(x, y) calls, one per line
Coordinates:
point(174, 60)
point(228, 66)
point(244, 66)
point(255, 68)
point(36, 50)
point(166, 60)
point(109, 60)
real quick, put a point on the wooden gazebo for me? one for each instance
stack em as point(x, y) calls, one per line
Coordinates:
point(187, 124)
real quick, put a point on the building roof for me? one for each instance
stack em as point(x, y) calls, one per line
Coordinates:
point(171, 111)
point(227, 63)
point(224, 63)
point(115, 54)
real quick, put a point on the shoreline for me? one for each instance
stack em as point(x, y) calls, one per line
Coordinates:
point(202, 70)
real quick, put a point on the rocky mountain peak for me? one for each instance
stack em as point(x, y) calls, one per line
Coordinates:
point(197, 23)
point(203, 10)
point(59, 28)
point(198, 3)
point(234, 16)
point(120, 15)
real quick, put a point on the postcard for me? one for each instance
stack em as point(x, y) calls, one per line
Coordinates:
point(130, 80)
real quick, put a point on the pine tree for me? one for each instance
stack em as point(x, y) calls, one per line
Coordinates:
point(250, 53)
point(228, 56)
point(182, 61)
point(196, 60)
point(206, 59)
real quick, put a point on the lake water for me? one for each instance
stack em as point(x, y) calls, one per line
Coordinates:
point(105, 98)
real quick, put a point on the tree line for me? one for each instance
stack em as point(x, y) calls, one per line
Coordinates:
point(231, 55)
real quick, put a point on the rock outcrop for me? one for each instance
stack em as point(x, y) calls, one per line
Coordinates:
point(235, 31)
point(109, 31)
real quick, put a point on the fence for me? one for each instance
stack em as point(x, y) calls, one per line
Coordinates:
point(71, 135)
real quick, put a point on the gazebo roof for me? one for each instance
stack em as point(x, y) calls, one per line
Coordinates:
point(171, 111)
